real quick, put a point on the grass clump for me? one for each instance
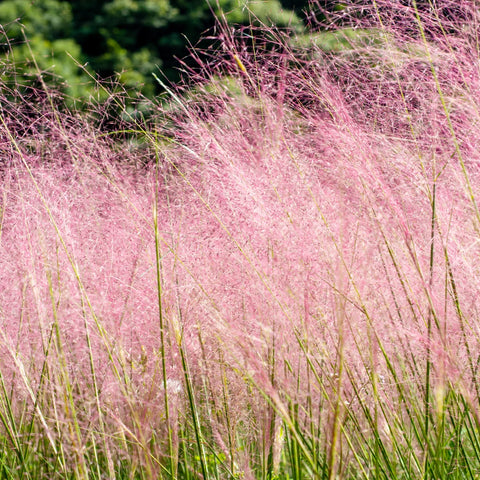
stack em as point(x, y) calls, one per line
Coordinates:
point(283, 286)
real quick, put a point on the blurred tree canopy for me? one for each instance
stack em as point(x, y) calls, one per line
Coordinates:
point(72, 41)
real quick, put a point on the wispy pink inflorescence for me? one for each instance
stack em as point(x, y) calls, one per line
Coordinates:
point(313, 209)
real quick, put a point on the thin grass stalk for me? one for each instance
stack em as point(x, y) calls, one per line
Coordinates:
point(271, 414)
point(226, 414)
point(338, 404)
point(429, 330)
point(292, 446)
point(193, 410)
point(162, 325)
point(314, 426)
point(207, 389)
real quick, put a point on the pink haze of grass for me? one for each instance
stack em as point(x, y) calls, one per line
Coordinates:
point(295, 223)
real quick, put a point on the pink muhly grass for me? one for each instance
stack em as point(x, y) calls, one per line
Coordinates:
point(289, 287)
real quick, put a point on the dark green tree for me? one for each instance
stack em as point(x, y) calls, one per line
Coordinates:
point(128, 40)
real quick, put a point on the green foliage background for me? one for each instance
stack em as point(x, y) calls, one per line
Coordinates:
point(73, 41)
